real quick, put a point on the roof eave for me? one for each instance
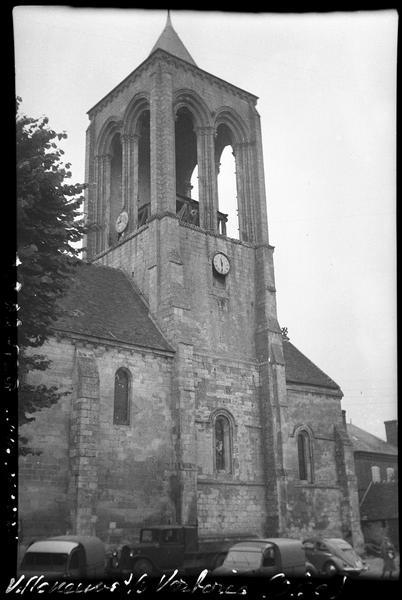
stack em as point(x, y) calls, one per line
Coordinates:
point(113, 341)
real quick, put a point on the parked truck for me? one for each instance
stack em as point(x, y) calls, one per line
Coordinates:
point(164, 548)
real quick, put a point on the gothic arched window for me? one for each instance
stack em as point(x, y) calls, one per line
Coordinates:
point(222, 435)
point(121, 413)
point(304, 456)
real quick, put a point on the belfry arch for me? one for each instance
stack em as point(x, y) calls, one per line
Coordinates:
point(232, 133)
point(226, 181)
point(186, 161)
point(142, 170)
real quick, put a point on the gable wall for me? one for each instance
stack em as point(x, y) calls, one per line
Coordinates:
point(312, 507)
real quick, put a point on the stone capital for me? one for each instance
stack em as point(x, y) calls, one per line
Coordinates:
point(128, 138)
point(204, 130)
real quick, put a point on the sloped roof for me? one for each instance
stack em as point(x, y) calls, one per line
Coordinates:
point(170, 42)
point(102, 302)
point(300, 369)
point(381, 502)
point(363, 441)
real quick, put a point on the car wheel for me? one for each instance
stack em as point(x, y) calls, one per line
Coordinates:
point(330, 569)
point(310, 570)
point(143, 566)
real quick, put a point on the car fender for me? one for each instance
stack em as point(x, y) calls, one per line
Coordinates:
point(310, 568)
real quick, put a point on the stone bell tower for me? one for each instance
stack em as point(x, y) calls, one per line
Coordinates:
point(213, 296)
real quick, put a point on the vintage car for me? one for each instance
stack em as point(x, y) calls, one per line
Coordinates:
point(333, 555)
point(67, 557)
point(266, 557)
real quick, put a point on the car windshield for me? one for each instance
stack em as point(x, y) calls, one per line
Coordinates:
point(44, 561)
point(243, 559)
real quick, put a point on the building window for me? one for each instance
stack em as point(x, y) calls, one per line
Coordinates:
point(375, 474)
point(390, 474)
point(121, 397)
point(223, 455)
point(304, 456)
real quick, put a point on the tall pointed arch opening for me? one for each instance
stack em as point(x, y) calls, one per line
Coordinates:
point(186, 162)
point(144, 168)
point(228, 215)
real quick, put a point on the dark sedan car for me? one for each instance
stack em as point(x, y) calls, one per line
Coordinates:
point(333, 555)
point(265, 557)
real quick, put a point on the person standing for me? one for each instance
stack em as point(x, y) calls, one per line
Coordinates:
point(388, 556)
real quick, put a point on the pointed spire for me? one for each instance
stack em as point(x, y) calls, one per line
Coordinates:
point(170, 42)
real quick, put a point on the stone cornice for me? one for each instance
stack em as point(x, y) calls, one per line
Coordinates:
point(175, 62)
point(210, 480)
point(310, 388)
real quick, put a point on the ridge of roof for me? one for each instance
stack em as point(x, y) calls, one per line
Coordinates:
point(300, 369)
point(171, 43)
point(363, 441)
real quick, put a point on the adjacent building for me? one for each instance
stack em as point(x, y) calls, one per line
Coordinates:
point(376, 464)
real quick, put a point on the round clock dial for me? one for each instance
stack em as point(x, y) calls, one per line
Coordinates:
point(221, 263)
point(121, 222)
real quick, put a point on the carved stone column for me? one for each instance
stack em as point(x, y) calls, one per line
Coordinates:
point(245, 196)
point(95, 217)
point(125, 168)
point(105, 174)
point(84, 439)
point(162, 135)
point(207, 182)
point(133, 181)
point(130, 177)
point(259, 196)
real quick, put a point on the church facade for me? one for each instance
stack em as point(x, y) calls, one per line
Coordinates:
point(185, 401)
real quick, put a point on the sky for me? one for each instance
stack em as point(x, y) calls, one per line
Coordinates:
point(326, 84)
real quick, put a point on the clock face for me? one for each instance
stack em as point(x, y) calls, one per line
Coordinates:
point(221, 263)
point(121, 222)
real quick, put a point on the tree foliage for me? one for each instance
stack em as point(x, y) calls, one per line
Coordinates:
point(49, 221)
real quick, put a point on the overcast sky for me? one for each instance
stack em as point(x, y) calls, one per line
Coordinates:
point(327, 98)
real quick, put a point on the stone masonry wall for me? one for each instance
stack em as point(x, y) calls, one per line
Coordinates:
point(136, 461)
point(134, 481)
point(43, 478)
point(312, 507)
point(229, 503)
point(222, 316)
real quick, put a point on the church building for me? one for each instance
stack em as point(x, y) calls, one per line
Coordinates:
point(185, 401)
